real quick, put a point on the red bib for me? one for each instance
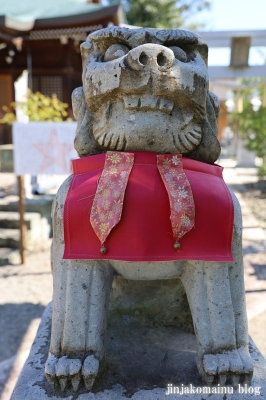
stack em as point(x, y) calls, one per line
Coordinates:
point(144, 232)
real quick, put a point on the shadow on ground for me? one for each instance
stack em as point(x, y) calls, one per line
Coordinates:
point(14, 322)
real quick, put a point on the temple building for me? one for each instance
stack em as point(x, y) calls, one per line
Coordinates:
point(43, 37)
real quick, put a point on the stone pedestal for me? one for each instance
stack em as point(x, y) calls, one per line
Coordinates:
point(141, 362)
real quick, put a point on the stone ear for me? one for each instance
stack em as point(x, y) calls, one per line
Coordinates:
point(203, 50)
point(84, 142)
point(86, 48)
point(77, 100)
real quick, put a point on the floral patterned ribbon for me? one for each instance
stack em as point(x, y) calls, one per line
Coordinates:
point(107, 205)
point(180, 194)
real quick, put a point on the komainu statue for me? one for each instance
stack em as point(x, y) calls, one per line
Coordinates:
point(146, 202)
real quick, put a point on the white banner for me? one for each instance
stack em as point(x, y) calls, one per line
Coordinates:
point(44, 147)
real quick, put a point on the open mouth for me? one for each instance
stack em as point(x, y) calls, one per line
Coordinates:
point(148, 102)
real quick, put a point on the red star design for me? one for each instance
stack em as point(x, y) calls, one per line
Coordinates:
point(54, 152)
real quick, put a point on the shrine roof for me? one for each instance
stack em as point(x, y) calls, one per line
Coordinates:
point(28, 14)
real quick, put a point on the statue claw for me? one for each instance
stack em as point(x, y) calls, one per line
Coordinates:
point(222, 379)
point(63, 383)
point(235, 380)
point(90, 370)
point(50, 370)
point(75, 381)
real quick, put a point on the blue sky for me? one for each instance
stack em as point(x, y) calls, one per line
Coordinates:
point(235, 15)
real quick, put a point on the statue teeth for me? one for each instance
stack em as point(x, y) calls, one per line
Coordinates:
point(148, 102)
point(166, 105)
point(131, 102)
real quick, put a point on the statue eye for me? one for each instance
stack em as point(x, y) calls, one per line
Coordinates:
point(179, 53)
point(115, 51)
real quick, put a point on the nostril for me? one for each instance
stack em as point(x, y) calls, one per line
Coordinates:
point(151, 56)
point(143, 59)
point(162, 60)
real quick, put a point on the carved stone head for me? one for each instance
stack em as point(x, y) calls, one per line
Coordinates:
point(146, 90)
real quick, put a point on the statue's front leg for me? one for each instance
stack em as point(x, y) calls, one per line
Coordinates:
point(216, 295)
point(220, 357)
point(80, 306)
point(79, 322)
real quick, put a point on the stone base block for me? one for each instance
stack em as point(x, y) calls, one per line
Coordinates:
point(141, 363)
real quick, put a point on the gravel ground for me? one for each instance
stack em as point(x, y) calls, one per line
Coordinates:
point(255, 196)
point(25, 290)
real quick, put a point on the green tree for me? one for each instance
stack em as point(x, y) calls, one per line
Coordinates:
point(38, 107)
point(252, 122)
point(162, 13)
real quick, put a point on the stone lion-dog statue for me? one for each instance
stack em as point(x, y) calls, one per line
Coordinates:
point(145, 92)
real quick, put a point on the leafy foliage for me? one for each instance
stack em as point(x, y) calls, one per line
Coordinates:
point(262, 171)
point(252, 125)
point(162, 13)
point(38, 107)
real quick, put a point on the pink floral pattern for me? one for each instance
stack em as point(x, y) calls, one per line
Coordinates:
point(107, 205)
point(179, 192)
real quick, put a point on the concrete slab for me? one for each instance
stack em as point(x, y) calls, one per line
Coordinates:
point(138, 371)
point(10, 219)
point(40, 204)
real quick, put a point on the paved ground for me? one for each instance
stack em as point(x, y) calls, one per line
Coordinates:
point(254, 251)
point(26, 290)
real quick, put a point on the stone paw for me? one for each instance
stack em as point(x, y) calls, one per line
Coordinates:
point(90, 370)
point(235, 366)
point(67, 372)
point(50, 370)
